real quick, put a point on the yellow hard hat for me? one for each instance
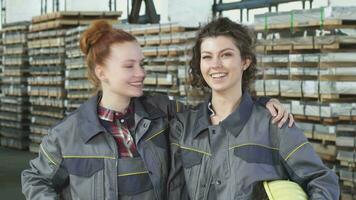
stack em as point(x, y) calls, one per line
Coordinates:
point(284, 189)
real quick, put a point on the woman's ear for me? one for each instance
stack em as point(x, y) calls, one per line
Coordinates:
point(246, 64)
point(100, 73)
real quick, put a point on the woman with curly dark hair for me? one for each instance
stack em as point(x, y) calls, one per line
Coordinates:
point(226, 146)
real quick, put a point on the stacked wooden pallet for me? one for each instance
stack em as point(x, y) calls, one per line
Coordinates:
point(46, 44)
point(77, 86)
point(14, 102)
point(346, 144)
point(1, 66)
point(167, 49)
point(307, 59)
point(68, 19)
point(46, 82)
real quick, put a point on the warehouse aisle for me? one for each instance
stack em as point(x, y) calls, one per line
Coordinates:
point(12, 162)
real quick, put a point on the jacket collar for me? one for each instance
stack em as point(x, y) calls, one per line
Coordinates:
point(144, 109)
point(234, 122)
point(89, 120)
point(202, 121)
point(88, 117)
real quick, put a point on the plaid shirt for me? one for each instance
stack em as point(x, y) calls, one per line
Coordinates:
point(119, 124)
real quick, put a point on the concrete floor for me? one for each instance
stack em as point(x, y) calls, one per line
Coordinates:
point(12, 162)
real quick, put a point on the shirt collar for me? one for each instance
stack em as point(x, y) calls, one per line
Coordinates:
point(234, 122)
point(89, 122)
point(210, 109)
point(112, 115)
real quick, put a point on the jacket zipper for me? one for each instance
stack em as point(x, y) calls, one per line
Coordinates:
point(112, 140)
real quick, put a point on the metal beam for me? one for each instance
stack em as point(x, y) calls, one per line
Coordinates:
point(151, 15)
point(249, 4)
point(3, 12)
point(212, 8)
point(135, 11)
point(45, 8)
point(57, 5)
point(151, 11)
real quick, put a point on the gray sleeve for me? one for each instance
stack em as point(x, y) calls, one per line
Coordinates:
point(170, 107)
point(46, 174)
point(176, 188)
point(304, 166)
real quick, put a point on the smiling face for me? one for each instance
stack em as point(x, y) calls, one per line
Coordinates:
point(123, 73)
point(221, 64)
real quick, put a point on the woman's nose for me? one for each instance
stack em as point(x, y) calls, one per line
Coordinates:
point(140, 72)
point(216, 62)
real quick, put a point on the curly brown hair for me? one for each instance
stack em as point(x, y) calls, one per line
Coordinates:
point(243, 39)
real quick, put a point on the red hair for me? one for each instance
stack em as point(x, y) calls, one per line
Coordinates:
point(95, 43)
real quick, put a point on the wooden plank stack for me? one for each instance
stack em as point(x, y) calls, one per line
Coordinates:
point(346, 144)
point(167, 50)
point(68, 19)
point(77, 86)
point(14, 102)
point(46, 82)
point(1, 66)
point(309, 62)
point(47, 59)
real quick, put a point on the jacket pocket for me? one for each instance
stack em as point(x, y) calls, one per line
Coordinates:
point(85, 167)
point(133, 177)
point(191, 158)
point(258, 154)
point(86, 177)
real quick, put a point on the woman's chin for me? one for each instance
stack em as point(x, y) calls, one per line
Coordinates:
point(137, 94)
point(218, 88)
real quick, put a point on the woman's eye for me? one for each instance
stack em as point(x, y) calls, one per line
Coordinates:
point(205, 57)
point(129, 66)
point(227, 54)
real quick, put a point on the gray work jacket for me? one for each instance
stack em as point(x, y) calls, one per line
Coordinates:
point(228, 160)
point(78, 159)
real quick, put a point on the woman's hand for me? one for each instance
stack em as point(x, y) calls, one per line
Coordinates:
point(279, 113)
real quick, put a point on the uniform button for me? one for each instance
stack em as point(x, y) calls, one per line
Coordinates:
point(218, 182)
point(214, 131)
point(145, 125)
point(150, 172)
point(122, 120)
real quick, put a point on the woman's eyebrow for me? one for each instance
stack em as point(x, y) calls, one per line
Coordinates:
point(220, 50)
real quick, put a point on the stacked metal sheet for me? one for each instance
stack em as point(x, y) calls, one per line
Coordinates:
point(14, 102)
point(68, 19)
point(167, 49)
point(1, 66)
point(47, 54)
point(346, 154)
point(46, 82)
point(77, 86)
point(307, 58)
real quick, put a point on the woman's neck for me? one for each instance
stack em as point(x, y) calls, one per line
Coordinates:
point(114, 101)
point(224, 104)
